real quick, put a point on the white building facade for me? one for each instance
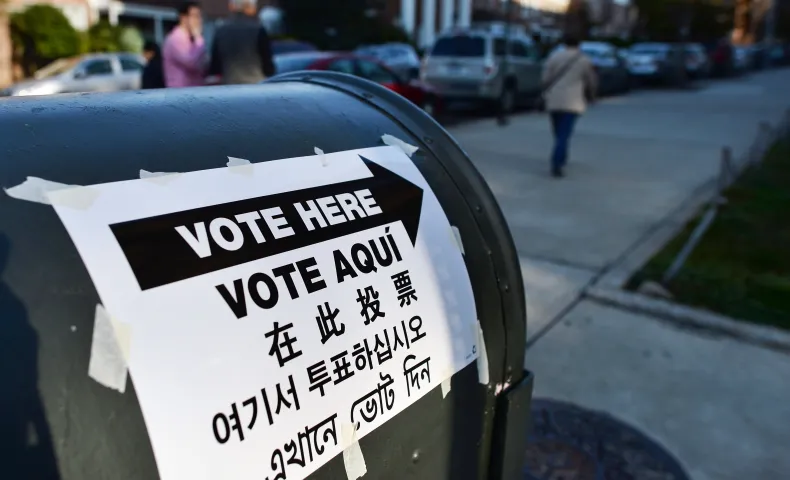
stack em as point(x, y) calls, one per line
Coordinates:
point(423, 20)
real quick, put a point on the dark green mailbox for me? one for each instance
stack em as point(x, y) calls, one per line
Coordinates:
point(304, 278)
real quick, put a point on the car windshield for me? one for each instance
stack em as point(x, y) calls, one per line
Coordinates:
point(57, 67)
point(459, 46)
point(291, 63)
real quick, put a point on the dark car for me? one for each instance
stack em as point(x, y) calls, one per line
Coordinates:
point(697, 61)
point(664, 63)
point(368, 68)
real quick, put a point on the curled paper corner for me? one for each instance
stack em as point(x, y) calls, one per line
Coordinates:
point(458, 240)
point(240, 166)
point(35, 189)
point(397, 142)
point(482, 358)
point(160, 178)
point(352, 454)
point(321, 155)
point(109, 351)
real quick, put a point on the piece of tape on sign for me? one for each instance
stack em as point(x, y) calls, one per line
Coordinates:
point(458, 240)
point(397, 142)
point(160, 178)
point(110, 347)
point(38, 190)
point(482, 358)
point(352, 454)
point(321, 155)
point(240, 166)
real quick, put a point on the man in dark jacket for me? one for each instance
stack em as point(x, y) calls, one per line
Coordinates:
point(153, 75)
point(241, 52)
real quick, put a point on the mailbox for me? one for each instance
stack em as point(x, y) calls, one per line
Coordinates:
point(130, 259)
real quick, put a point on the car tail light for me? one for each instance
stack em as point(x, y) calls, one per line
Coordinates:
point(490, 70)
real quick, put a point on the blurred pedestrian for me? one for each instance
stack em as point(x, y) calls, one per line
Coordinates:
point(569, 84)
point(184, 52)
point(153, 75)
point(241, 52)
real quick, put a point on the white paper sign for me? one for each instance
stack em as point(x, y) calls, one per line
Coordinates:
point(271, 308)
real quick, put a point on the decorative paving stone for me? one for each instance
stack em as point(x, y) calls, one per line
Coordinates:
point(568, 442)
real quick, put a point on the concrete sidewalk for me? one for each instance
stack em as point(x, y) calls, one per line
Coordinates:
point(721, 406)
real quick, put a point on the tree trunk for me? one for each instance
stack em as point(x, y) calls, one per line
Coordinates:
point(5, 47)
point(743, 21)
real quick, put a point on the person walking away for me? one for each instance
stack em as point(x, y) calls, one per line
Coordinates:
point(569, 83)
point(241, 52)
point(184, 52)
point(153, 75)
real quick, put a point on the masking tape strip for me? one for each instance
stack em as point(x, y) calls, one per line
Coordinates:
point(240, 166)
point(458, 240)
point(109, 351)
point(397, 142)
point(160, 178)
point(78, 198)
point(482, 358)
point(38, 190)
point(320, 152)
point(35, 189)
point(352, 454)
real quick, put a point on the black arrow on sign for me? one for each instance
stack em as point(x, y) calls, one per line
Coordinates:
point(158, 255)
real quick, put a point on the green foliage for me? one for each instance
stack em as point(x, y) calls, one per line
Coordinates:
point(741, 267)
point(41, 33)
point(131, 40)
point(104, 37)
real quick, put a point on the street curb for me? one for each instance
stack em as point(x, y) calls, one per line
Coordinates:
point(667, 228)
point(688, 317)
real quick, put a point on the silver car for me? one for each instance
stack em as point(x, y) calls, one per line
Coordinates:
point(88, 73)
point(467, 66)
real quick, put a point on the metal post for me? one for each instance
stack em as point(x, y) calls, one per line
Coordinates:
point(502, 118)
point(770, 30)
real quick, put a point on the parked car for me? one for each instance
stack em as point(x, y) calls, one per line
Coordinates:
point(88, 73)
point(465, 65)
point(741, 59)
point(291, 46)
point(368, 68)
point(658, 62)
point(611, 67)
point(399, 57)
point(697, 61)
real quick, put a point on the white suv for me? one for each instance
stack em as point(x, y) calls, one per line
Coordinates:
point(466, 65)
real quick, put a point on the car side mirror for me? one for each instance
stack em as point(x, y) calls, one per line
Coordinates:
point(80, 74)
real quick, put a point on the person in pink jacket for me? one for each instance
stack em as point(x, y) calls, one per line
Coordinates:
point(184, 52)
